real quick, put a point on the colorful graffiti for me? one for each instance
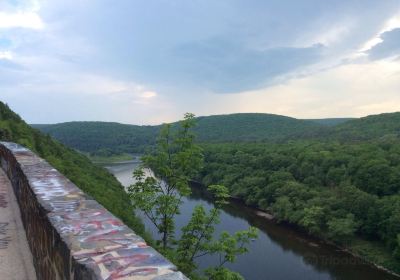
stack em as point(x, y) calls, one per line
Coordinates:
point(71, 235)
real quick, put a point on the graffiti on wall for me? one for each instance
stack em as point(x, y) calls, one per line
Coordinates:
point(78, 238)
point(4, 239)
point(3, 195)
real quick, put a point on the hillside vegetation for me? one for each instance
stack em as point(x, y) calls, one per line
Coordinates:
point(338, 179)
point(102, 138)
point(94, 180)
point(370, 127)
point(106, 139)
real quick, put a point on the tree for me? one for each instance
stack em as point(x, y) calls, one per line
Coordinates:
point(397, 248)
point(342, 229)
point(313, 219)
point(175, 161)
point(197, 238)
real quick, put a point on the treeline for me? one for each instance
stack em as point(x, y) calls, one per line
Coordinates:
point(103, 138)
point(110, 139)
point(336, 191)
point(107, 139)
point(93, 180)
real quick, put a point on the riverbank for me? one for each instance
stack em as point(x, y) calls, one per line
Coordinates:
point(281, 251)
point(121, 158)
point(371, 252)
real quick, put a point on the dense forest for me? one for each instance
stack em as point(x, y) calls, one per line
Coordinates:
point(102, 138)
point(105, 139)
point(332, 190)
point(95, 181)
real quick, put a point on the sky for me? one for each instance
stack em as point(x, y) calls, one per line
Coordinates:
point(150, 61)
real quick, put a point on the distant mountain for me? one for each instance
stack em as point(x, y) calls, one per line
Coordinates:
point(250, 127)
point(102, 138)
point(330, 121)
point(108, 138)
point(105, 138)
point(370, 127)
point(93, 180)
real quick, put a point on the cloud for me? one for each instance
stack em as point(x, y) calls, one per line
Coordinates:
point(21, 19)
point(351, 90)
point(130, 59)
point(174, 46)
point(6, 55)
point(224, 66)
point(388, 47)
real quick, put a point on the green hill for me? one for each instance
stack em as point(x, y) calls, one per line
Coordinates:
point(250, 127)
point(370, 127)
point(110, 138)
point(94, 180)
point(330, 121)
point(102, 138)
point(105, 138)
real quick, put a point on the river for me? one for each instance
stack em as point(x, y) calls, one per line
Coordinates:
point(279, 253)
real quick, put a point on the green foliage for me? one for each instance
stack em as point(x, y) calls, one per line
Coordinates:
point(313, 219)
point(228, 246)
point(331, 121)
point(108, 139)
point(342, 229)
point(338, 191)
point(175, 161)
point(104, 138)
point(222, 273)
point(397, 250)
point(197, 239)
point(93, 180)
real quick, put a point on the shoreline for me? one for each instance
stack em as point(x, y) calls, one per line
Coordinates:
point(268, 216)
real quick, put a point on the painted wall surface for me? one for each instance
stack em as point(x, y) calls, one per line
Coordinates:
point(71, 236)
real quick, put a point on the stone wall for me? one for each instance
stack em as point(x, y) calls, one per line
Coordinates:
point(71, 236)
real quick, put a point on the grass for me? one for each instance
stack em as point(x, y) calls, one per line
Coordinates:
point(111, 159)
point(376, 253)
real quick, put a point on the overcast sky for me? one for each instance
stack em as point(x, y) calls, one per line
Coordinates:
point(150, 61)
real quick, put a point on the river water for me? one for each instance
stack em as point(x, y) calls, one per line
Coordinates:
point(279, 253)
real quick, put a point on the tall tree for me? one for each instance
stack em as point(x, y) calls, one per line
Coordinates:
point(175, 161)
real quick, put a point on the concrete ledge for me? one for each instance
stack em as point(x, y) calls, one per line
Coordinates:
point(71, 236)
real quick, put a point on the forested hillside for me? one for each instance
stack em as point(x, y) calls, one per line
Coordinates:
point(106, 138)
point(370, 127)
point(330, 121)
point(93, 180)
point(251, 128)
point(103, 138)
point(341, 192)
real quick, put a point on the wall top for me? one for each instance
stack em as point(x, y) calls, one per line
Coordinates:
point(95, 238)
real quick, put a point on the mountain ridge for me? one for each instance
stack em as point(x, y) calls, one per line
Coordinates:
point(108, 138)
